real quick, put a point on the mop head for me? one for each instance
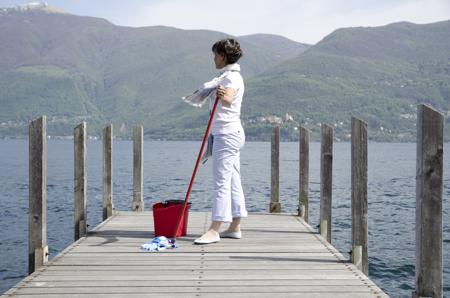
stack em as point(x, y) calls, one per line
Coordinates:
point(158, 244)
point(198, 98)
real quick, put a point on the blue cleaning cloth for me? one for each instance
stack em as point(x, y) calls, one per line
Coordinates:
point(158, 244)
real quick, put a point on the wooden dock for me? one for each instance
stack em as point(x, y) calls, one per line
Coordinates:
point(279, 255)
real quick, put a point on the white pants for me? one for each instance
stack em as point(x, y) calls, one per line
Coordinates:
point(228, 196)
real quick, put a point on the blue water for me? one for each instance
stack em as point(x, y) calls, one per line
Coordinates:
point(167, 168)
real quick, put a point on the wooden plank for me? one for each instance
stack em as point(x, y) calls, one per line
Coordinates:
point(275, 206)
point(326, 180)
point(204, 283)
point(299, 273)
point(304, 174)
point(37, 222)
point(80, 181)
point(223, 249)
point(189, 277)
point(195, 289)
point(249, 239)
point(359, 195)
point(138, 169)
point(309, 244)
point(184, 255)
point(189, 265)
point(314, 261)
point(108, 205)
point(212, 294)
point(429, 187)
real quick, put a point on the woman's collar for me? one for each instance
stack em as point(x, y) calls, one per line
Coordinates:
point(232, 67)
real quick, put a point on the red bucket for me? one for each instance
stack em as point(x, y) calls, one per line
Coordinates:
point(166, 215)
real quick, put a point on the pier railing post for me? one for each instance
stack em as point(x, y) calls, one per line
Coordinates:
point(107, 172)
point(37, 224)
point(429, 186)
point(138, 168)
point(275, 206)
point(303, 210)
point(79, 137)
point(326, 180)
point(359, 195)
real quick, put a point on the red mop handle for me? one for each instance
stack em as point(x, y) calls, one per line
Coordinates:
point(205, 137)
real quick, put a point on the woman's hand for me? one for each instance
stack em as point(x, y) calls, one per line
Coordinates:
point(220, 91)
point(226, 95)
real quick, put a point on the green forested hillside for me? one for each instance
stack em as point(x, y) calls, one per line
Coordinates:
point(74, 68)
point(378, 74)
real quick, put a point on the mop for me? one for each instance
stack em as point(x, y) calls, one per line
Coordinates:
point(194, 173)
point(161, 243)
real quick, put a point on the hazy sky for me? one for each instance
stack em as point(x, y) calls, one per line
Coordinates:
point(301, 20)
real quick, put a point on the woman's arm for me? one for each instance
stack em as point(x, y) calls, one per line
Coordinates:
point(226, 95)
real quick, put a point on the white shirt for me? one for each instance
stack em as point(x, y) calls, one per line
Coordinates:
point(228, 119)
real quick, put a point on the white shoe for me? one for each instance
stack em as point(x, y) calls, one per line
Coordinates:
point(214, 239)
point(233, 235)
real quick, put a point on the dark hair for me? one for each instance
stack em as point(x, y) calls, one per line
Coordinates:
point(229, 48)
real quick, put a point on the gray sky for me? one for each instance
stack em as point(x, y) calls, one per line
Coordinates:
point(301, 20)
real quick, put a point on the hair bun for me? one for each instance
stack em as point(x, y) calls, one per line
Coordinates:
point(230, 48)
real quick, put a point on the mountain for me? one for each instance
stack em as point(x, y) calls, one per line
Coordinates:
point(75, 68)
point(377, 74)
point(279, 45)
point(32, 6)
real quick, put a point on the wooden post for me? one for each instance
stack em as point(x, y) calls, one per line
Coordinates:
point(37, 224)
point(138, 168)
point(79, 135)
point(303, 210)
point(107, 172)
point(429, 187)
point(326, 180)
point(275, 206)
point(359, 195)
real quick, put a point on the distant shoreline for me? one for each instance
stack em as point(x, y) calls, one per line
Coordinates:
point(96, 138)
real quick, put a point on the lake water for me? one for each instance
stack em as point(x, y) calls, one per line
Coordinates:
point(167, 169)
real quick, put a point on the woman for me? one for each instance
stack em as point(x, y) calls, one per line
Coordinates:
point(229, 138)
